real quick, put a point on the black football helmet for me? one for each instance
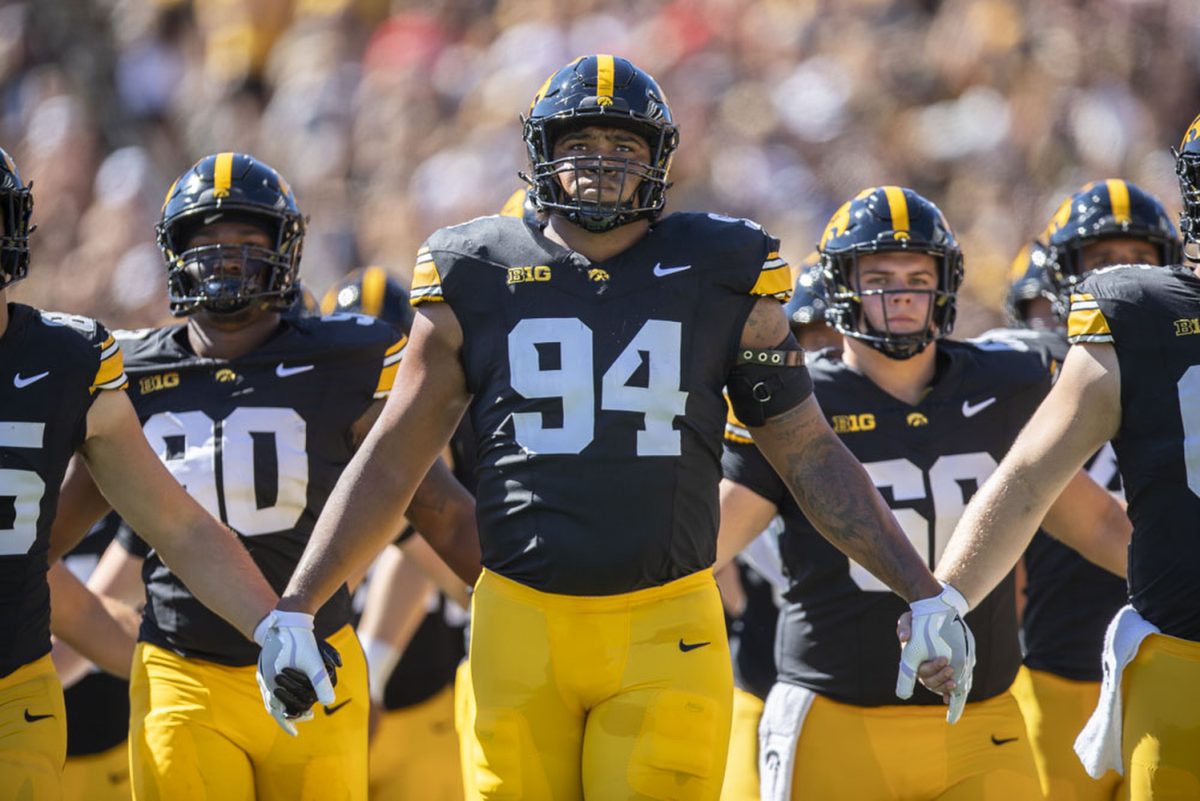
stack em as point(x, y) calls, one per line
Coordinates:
point(16, 205)
point(230, 187)
point(1187, 167)
point(1029, 279)
point(807, 304)
point(878, 220)
point(1104, 210)
point(371, 291)
point(600, 90)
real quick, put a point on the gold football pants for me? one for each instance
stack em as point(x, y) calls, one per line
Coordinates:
point(33, 733)
point(415, 753)
point(741, 767)
point(1055, 710)
point(198, 732)
point(613, 697)
point(1160, 733)
point(910, 753)
point(98, 777)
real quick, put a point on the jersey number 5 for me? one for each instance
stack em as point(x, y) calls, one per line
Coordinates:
point(572, 382)
point(24, 487)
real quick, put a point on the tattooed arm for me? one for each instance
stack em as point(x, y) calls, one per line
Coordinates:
point(831, 486)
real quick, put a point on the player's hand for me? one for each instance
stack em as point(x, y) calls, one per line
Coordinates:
point(939, 649)
point(294, 672)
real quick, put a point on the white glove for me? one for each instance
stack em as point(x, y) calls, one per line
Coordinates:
point(939, 629)
point(287, 642)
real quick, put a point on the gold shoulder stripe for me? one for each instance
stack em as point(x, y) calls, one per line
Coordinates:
point(396, 347)
point(515, 205)
point(387, 377)
point(735, 429)
point(111, 373)
point(427, 281)
point(1087, 323)
point(774, 281)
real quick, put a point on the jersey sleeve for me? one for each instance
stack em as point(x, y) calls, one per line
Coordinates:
point(742, 463)
point(1087, 321)
point(774, 276)
point(427, 280)
point(391, 363)
point(110, 375)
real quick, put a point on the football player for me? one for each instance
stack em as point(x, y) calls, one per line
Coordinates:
point(1069, 601)
point(1030, 302)
point(752, 584)
point(929, 419)
point(256, 412)
point(64, 380)
point(412, 635)
point(591, 350)
point(1132, 377)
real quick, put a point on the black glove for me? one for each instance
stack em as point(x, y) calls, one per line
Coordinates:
point(295, 690)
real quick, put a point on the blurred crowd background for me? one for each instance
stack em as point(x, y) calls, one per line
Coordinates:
point(391, 118)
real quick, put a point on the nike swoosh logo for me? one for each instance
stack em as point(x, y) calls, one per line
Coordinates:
point(691, 646)
point(970, 410)
point(660, 271)
point(209, 219)
point(21, 383)
point(997, 741)
point(329, 710)
point(35, 718)
point(284, 372)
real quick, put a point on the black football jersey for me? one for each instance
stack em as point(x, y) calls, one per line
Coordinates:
point(752, 635)
point(259, 441)
point(98, 704)
point(1069, 600)
point(837, 630)
point(51, 367)
point(597, 402)
point(1151, 317)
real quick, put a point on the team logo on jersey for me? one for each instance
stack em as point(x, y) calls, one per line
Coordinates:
point(1184, 328)
point(153, 383)
point(596, 274)
point(225, 375)
point(522, 275)
point(916, 419)
point(850, 423)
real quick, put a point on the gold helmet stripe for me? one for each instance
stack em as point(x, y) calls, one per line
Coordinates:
point(374, 281)
point(170, 191)
point(604, 76)
point(1118, 195)
point(1019, 264)
point(898, 206)
point(222, 175)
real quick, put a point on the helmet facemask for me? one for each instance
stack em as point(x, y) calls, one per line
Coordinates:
point(607, 211)
point(227, 278)
point(16, 207)
point(846, 299)
point(1187, 168)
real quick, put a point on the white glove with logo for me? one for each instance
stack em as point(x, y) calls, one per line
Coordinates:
point(939, 629)
point(294, 672)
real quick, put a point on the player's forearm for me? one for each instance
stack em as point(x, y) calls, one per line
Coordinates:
point(361, 517)
point(104, 634)
point(396, 601)
point(1089, 519)
point(444, 513)
point(995, 529)
point(218, 570)
point(839, 499)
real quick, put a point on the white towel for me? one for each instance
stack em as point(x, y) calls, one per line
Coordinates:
point(1099, 744)
point(778, 731)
